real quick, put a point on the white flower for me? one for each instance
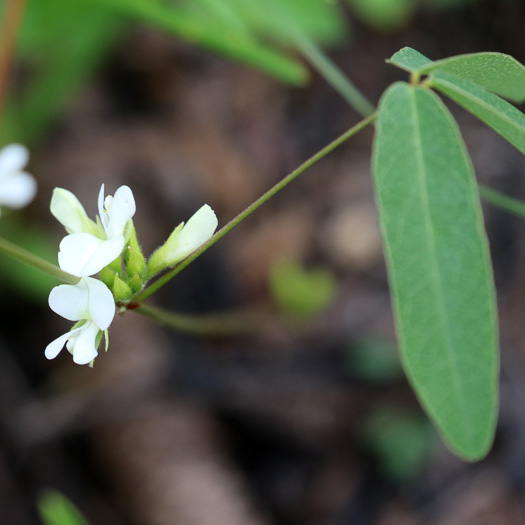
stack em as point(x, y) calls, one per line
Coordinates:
point(17, 188)
point(92, 245)
point(185, 239)
point(91, 303)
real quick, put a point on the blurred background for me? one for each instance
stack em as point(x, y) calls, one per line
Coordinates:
point(307, 419)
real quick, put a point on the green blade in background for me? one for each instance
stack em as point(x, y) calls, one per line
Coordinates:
point(496, 72)
point(497, 113)
point(56, 509)
point(61, 43)
point(439, 266)
point(210, 35)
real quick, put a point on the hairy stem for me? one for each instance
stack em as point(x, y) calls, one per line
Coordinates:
point(252, 207)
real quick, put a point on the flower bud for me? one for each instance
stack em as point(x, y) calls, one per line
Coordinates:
point(121, 290)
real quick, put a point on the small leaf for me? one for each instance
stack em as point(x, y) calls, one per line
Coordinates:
point(496, 72)
point(409, 59)
point(300, 292)
point(401, 442)
point(497, 113)
point(439, 266)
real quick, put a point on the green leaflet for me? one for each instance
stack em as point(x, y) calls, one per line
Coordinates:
point(496, 72)
point(497, 113)
point(439, 266)
point(409, 59)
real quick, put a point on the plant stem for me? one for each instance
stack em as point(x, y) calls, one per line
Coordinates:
point(144, 294)
point(500, 200)
point(219, 324)
point(8, 34)
point(20, 254)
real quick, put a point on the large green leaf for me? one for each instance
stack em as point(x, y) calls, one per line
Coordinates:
point(439, 265)
point(497, 113)
point(497, 72)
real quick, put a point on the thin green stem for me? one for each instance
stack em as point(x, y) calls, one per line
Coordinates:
point(500, 200)
point(8, 33)
point(20, 254)
point(139, 298)
point(216, 325)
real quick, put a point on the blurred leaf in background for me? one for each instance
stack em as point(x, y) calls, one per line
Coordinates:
point(374, 360)
point(56, 509)
point(63, 42)
point(384, 15)
point(60, 44)
point(401, 442)
point(300, 292)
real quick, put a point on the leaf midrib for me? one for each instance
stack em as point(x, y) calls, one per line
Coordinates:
point(432, 246)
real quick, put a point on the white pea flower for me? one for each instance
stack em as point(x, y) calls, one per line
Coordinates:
point(92, 245)
point(185, 239)
point(17, 188)
point(91, 304)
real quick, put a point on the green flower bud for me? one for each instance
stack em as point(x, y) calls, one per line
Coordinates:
point(135, 283)
point(107, 276)
point(121, 290)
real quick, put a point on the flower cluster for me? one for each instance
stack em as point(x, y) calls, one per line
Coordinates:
point(109, 246)
point(17, 187)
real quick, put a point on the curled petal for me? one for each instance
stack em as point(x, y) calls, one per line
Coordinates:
point(83, 344)
point(70, 301)
point(70, 212)
point(101, 211)
point(83, 254)
point(195, 232)
point(13, 158)
point(122, 211)
point(101, 304)
point(54, 347)
point(18, 190)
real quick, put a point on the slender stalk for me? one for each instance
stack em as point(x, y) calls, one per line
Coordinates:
point(218, 325)
point(252, 207)
point(500, 200)
point(8, 33)
point(20, 254)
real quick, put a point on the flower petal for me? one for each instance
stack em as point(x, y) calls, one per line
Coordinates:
point(195, 232)
point(84, 350)
point(70, 212)
point(122, 210)
point(84, 254)
point(13, 158)
point(18, 190)
point(101, 304)
point(70, 301)
point(54, 347)
point(101, 212)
